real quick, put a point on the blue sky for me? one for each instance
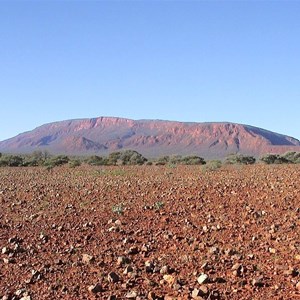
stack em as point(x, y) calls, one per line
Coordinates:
point(200, 61)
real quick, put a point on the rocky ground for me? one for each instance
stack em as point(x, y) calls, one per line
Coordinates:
point(150, 232)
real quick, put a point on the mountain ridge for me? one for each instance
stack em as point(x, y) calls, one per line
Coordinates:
point(152, 138)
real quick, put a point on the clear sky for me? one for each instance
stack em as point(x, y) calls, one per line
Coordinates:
point(200, 61)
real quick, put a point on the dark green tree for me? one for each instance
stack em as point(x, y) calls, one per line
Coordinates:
point(193, 160)
point(113, 158)
point(131, 157)
point(15, 161)
point(57, 160)
point(274, 159)
point(240, 159)
point(96, 160)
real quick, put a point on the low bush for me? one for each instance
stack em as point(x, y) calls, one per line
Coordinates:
point(96, 160)
point(181, 160)
point(274, 159)
point(293, 157)
point(11, 161)
point(74, 163)
point(212, 165)
point(118, 209)
point(57, 160)
point(193, 160)
point(240, 159)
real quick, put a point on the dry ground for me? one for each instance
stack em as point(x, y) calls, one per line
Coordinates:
point(150, 232)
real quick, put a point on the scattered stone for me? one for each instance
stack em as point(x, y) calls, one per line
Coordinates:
point(213, 250)
point(291, 272)
point(122, 260)
point(297, 257)
point(44, 238)
point(258, 282)
point(20, 292)
point(169, 279)
point(5, 250)
point(118, 222)
point(237, 269)
point(133, 250)
point(165, 270)
point(112, 228)
point(206, 266)
point(219, 280)
point(127, 240)
point(18, 249)
point(150, 282)
point(229, 252)
point(58, 262)
point(35, 275)
point(97, 288)
point(9, 260)
point(196, 294)
point(13, 240)
point(131, 295)
point(272, 250)
point(113, 277)
point(236, 266)
point(205, 228)
point(202, 279)
point(87, 259)
point(215, 295)
point(60, 228)
point(128, 269)
point(25, 298)
point(144, 249)
point(149, 266)
point(151, 296)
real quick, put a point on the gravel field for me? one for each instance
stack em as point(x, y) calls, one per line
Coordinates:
point(150, 232)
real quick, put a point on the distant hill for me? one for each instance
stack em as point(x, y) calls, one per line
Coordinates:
point(152, 138)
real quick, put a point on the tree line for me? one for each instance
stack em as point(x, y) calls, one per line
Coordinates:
point(131, 157)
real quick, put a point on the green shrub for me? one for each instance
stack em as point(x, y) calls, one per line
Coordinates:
point(212, 165)
point(193, 160)
point(181, 160)
point(127, 157)
point(159, 205)
point(293, 157)
point(172, 160)
point(118, 209)
point(113, 158)
point(11, 161)
point(131, 157)
point(57, 160)
point(74, 163)
point(96, 160)
point(31, 162)
point(240, 159)
point(274, 159)
point(3, 161)
point(162, 161)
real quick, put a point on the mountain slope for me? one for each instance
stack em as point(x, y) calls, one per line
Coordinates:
point(152, 138)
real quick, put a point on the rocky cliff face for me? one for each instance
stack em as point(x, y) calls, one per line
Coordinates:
point(152, 138)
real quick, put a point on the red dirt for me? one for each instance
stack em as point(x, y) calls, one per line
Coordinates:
point(238, 225)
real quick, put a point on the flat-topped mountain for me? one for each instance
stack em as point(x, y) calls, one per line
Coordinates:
point(151, 138)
